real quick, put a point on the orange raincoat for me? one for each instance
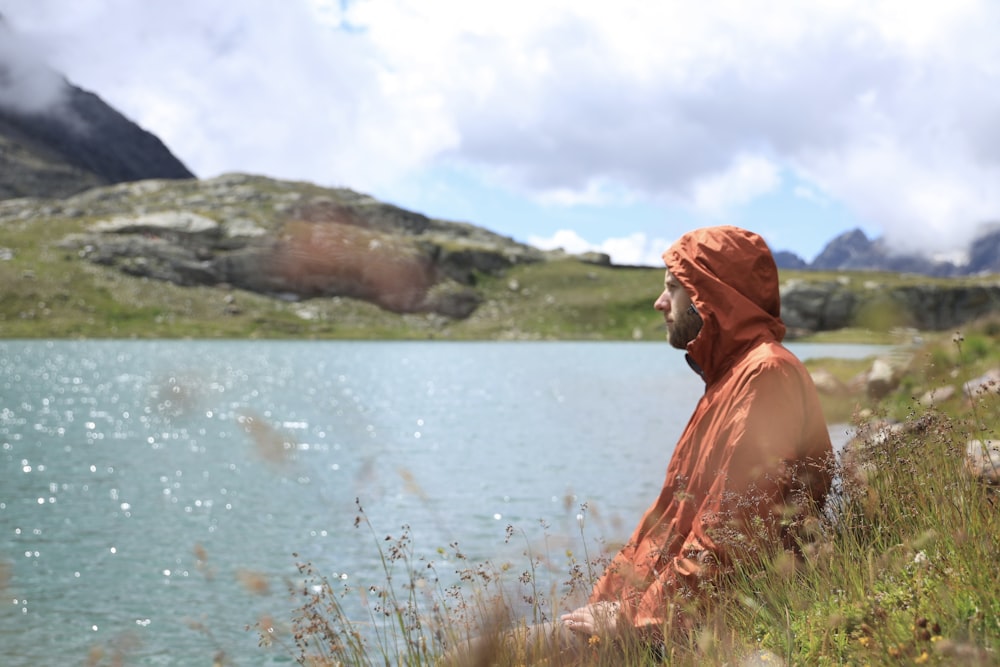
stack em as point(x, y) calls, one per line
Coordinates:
point(756, 447)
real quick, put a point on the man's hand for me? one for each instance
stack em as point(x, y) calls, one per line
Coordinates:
point(600, 617)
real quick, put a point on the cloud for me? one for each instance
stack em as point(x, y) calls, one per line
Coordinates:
point(564, 239)
point(707, 104)
point(593, 193)
point(632, 250)
point(253, 86)
point(939, 204)
point(635, 250)
point(884, 107)
point(810, 194)
point(27, 84)
point(748, 178)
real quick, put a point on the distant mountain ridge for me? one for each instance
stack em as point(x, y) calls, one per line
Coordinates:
point(854, 251)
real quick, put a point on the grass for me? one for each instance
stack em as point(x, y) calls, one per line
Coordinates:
point(900, 568)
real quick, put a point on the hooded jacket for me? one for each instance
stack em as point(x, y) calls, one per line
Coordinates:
point(754, 453)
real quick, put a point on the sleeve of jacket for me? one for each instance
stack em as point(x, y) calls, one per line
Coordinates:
point(755, 441)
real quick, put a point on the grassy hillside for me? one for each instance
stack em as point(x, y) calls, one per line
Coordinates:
point(50, 292)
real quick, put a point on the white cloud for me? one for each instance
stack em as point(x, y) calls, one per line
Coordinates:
point(938, 203)
point(888, 107)
point(809, 194)
point(27, 85)
point(632, 250)
point(596, 192)
point(748, 178)
point(635, 250)
point(252, 86)
point(564, 239)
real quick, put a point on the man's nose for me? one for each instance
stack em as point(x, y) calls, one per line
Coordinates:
point(662, 302)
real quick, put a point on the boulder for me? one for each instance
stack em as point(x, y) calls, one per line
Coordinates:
point(882, 379)
point(161, 222)
point(827, 383)
point(988, 382)
point(982, 460)
point(593, 257)
point(937, 395)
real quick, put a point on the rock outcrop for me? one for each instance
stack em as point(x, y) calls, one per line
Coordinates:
point(836, 304)
point(289, 240)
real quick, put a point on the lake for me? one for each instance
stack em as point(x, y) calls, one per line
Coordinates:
point(153, 493)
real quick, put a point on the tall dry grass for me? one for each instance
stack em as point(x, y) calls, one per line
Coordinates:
point(900, 567)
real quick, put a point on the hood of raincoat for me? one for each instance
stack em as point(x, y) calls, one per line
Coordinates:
point(732, 279)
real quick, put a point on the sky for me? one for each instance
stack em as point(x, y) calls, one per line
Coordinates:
point(579, 124)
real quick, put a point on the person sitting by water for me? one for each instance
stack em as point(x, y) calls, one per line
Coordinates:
point(754, 455)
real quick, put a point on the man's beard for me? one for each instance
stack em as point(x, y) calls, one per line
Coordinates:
point(685, 328)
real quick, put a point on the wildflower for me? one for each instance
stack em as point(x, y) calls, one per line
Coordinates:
point(594, 640)
point(920, 558)
point(922, 658)
point(864, 640)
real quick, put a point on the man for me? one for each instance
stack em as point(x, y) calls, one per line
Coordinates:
point(753, 456)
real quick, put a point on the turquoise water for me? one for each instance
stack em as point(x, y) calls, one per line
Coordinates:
point(154, 493)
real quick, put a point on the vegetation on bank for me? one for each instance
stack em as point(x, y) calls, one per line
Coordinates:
point(49, 292)
point(900, 568)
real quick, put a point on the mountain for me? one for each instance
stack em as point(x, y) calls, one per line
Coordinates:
point(984, 257)
point(854, 251)
point(83, 145)
point(57, 139)
point(850, 248)
point(785, 259)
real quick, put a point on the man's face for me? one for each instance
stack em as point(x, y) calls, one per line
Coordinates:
point(683, 324)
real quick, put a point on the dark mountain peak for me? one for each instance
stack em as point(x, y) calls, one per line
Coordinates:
point(785, 259)
point(57, 139)
point(984, 255)
point(847, 249)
